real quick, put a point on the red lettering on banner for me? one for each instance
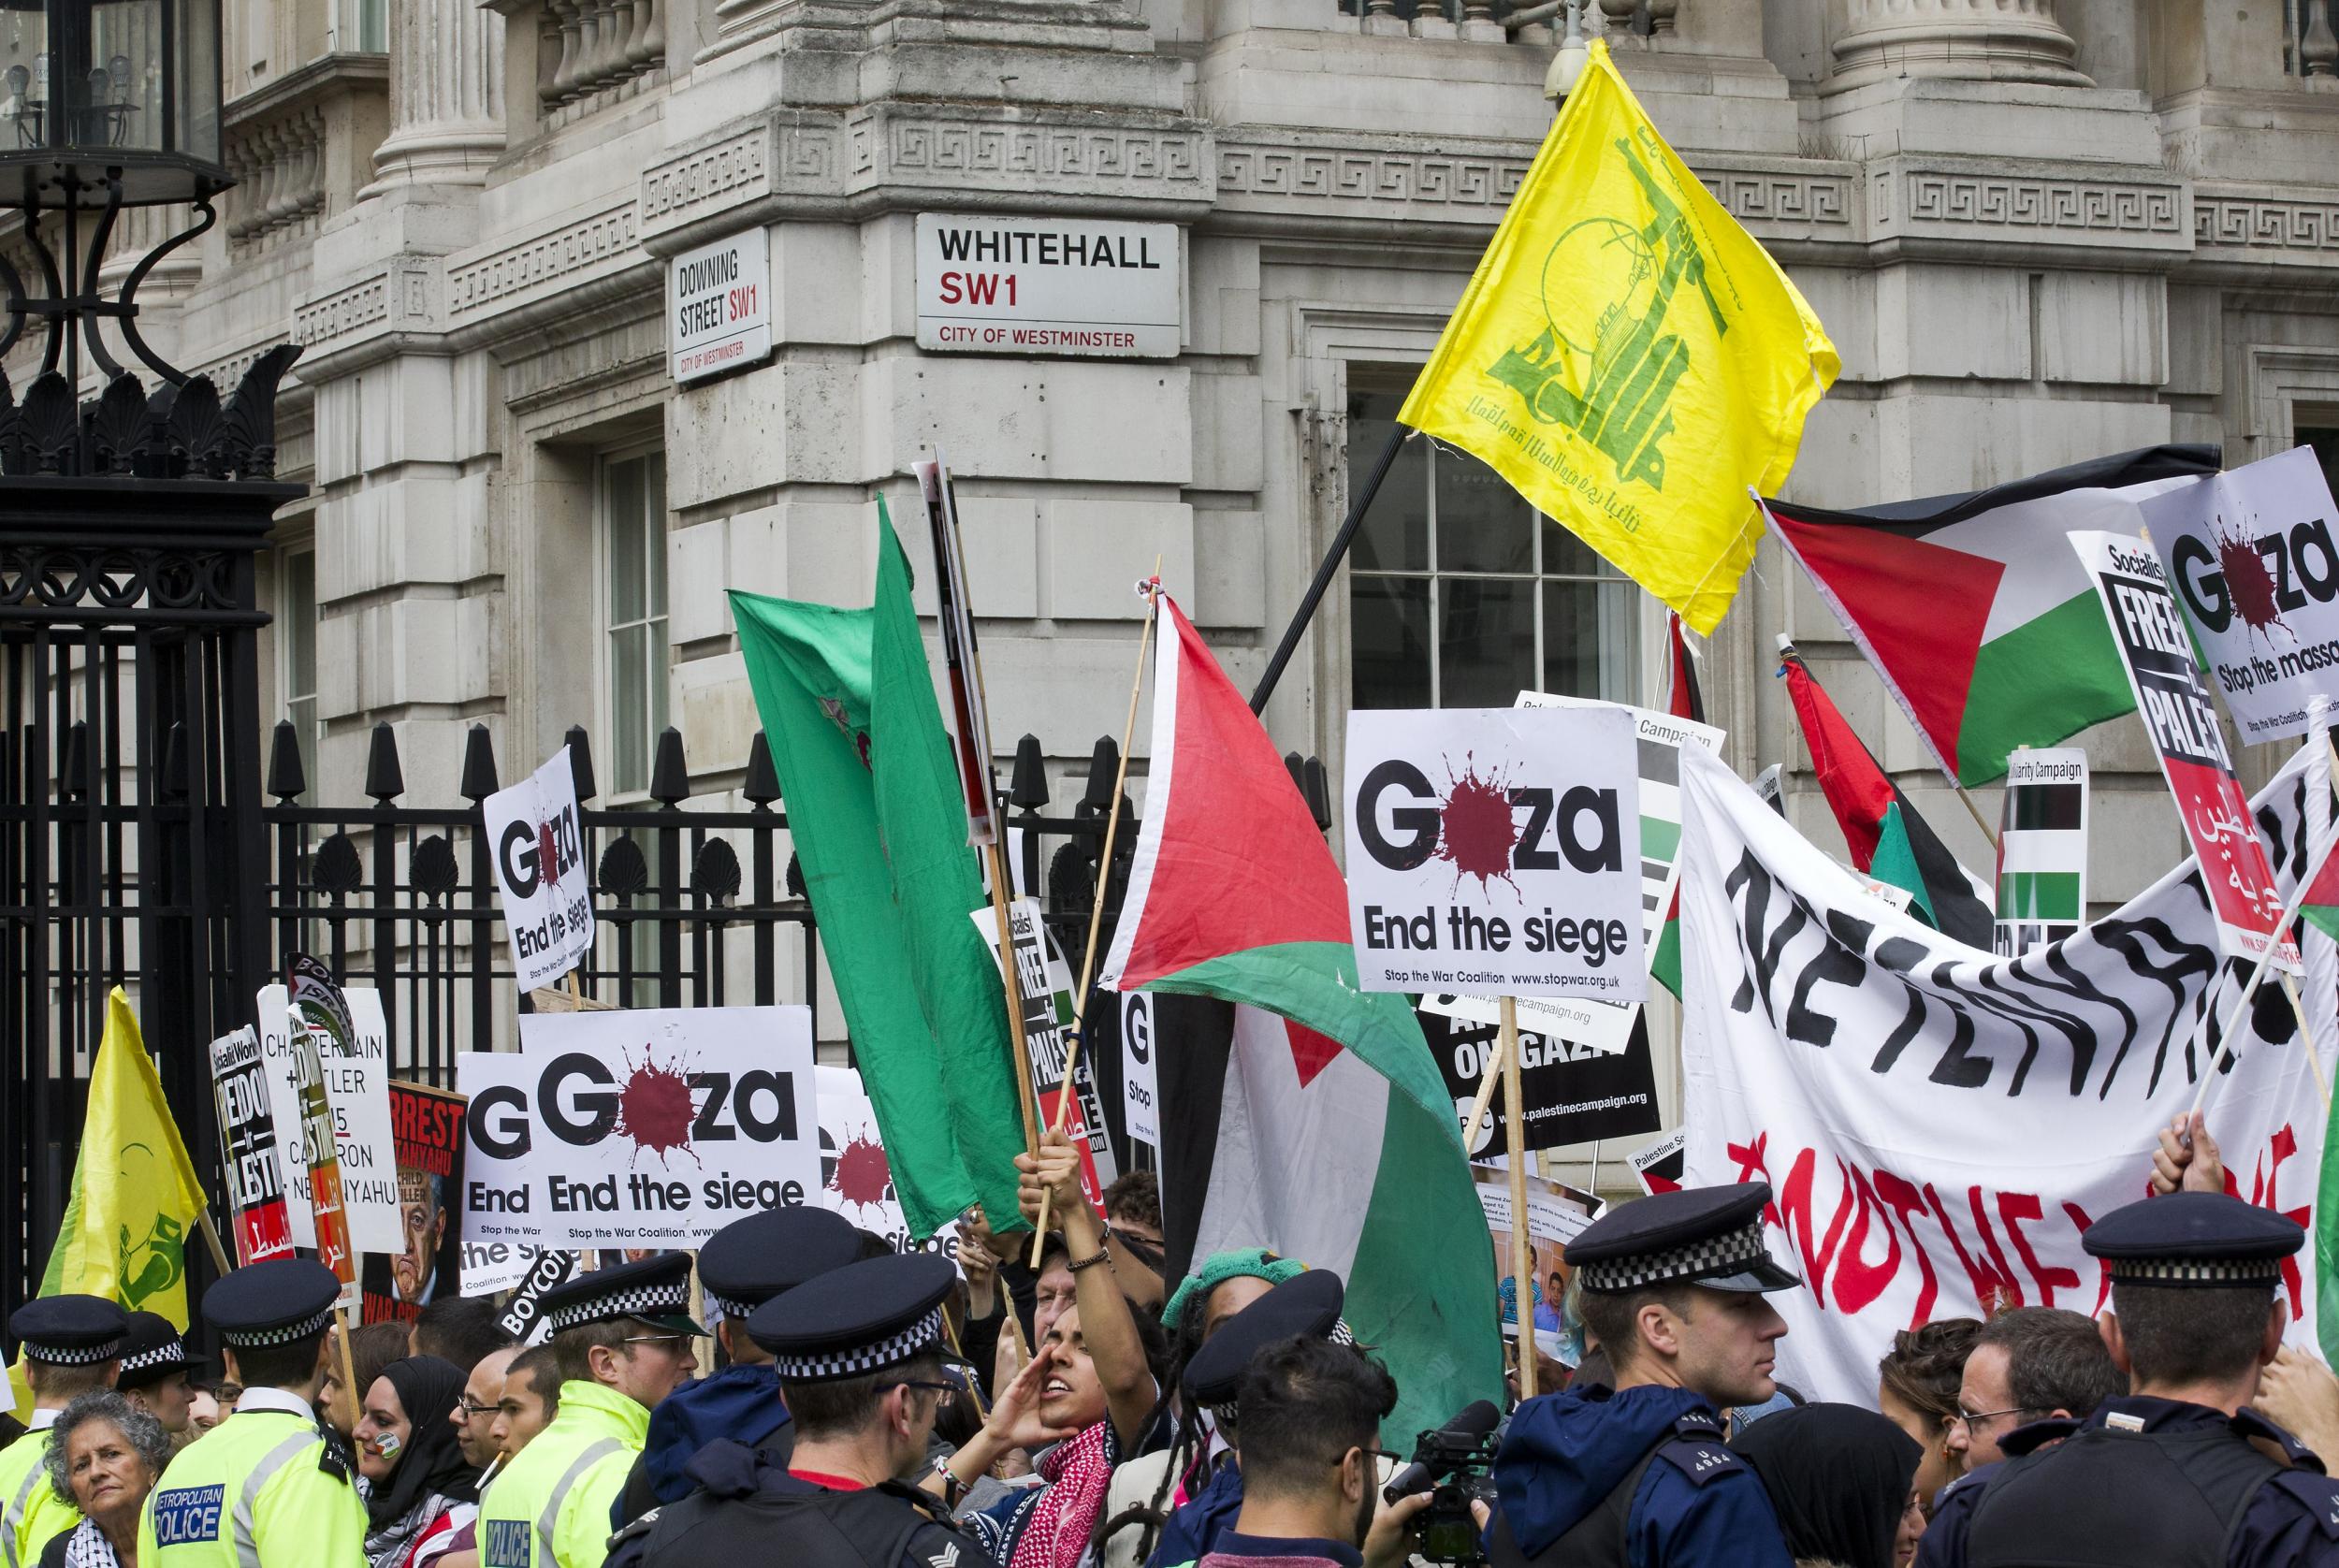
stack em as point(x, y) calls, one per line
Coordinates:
point(1752, 1166)
point(2264, 1173)
point(2080, 1222)
point(1795, 1205)
point(2013, 1208)
point(1901, 1196)
point(1858, 1282)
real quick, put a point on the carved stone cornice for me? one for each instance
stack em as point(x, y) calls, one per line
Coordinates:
point(2121, 208)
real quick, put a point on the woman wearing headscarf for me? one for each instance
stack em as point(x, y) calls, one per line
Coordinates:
point(419, 1488)
point(1842, 1481)
point(105, 1455)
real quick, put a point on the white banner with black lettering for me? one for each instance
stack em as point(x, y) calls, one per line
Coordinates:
point(1939, 1125)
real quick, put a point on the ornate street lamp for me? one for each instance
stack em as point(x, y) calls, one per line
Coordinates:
point(103, 104)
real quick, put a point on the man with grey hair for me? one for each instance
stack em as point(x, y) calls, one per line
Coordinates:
point(104, 1454)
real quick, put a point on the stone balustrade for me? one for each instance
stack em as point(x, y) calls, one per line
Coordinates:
point(595, 48)
point(301, 149)
point(2310, 46)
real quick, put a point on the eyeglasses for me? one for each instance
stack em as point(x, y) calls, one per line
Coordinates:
point(948, 1390)
point(1970, 1420)
point(472, 1409)
point(1143, 1249)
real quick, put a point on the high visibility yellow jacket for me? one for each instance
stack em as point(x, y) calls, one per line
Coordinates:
point(551, 1505)
point(31, 1515)
point(259, 1490)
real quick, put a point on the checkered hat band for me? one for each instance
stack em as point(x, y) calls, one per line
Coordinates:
point(170, 1353)
point(1706, 1258)
point(639, 1301)
point(1341, 1333)
point(72, 1354)
point(2197, 1270)
point(822, 1366)
point(728, 1306)
point(281, 1334)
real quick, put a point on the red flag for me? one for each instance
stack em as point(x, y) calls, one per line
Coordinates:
point(1856, 788)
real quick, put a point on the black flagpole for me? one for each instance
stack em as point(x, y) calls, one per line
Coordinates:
point(1398, 436)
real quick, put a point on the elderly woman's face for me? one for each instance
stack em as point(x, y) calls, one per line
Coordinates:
point(106, 1473)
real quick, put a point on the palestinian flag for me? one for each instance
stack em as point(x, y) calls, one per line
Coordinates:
point(1310, 1118)
point(1974, 610)
point(1683, 700)
point(1888, 839)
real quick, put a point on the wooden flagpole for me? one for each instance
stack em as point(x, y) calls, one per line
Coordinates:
point(1152, 587)
point(1486, 1082)
point(1522, 1251)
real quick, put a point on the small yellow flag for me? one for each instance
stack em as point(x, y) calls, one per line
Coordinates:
point(135, 1199)
point(1629, 358)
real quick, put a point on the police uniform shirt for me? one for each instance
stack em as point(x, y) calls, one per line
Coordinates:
point(748, 1509)
point(261, 1490)
point(552, 1504)
point(2287, 1516)
point(31, 1513)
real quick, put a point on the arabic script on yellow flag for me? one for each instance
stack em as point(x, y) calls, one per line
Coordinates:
point(1629, 358)
point(134, 1199)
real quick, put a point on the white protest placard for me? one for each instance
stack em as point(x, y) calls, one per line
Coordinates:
point(503, 1203)
point(1496, 851)
point(656, 1128)
point(538, 847)
point(2256, 568)
point(357, 1082)
point(856, 1178)
point(1096, 288)
point(718, 306)
point(2149, 634)
point(2041, 849)
point(247, 1142)
point(1044, 982)
point(275, 1028)
point(1659, 1165)
point(1140, 1081)
point(1580, 1021)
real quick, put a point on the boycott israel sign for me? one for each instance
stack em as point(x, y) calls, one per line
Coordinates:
point(645, 1129)
point(2256, 570)
point(1023, 285)
point(247, 1141)
point(1496, 851)
point(2041, 849)
point(538, 847)
point(2183, 723)
point(718, 306)
point(1939, 1127)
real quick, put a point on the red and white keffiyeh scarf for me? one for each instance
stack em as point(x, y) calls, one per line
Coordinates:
point(1078, 1472)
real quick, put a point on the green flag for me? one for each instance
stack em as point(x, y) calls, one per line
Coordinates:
point(880, 823)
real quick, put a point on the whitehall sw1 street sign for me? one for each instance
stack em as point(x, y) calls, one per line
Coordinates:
point(1085, 286)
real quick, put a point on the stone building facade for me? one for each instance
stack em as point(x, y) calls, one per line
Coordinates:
point(2039, 231)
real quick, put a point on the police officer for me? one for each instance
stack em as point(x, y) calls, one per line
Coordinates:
point(742, 1265)
point(71, 1344)
point(621, 1337)
point(858, 1354)
point(1673, 1286)
point(266, 1489)
point(153, 1374)
point(2168, 1473)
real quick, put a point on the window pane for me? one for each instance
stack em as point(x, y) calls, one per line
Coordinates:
point(1482, 525)
point(627, 589)
point(1589, 642)
point(629, 709)
point(654, 527)
point(1388, 619)
point(2326, 444)
point(654, 677)
point(1566, 555)
point(1395, 535)
point(296, 622)
point(1485, 641)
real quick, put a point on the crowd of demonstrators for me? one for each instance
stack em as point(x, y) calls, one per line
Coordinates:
point(1227, 1417)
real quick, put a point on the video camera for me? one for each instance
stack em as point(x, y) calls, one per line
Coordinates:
point(1455, 1464)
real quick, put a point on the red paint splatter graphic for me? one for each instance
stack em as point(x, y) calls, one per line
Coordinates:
point(2247, 582)
point(547, 854)
point(654, 1109)
point(861, 1177)
point(1475, 829)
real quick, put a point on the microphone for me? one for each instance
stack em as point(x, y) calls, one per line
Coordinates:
point(1438, 1452)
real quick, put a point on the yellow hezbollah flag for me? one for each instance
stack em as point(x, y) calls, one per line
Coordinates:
point(1629, 358)
point(134, 1196)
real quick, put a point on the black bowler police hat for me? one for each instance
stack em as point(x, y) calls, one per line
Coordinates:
point(2194, 1240)
point(1703, 1235)
point(656, 1290)
point(859, 1319)
point(69, 1331)
point(276, 1302)
point(750, 1260)
point(1305, 1306)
